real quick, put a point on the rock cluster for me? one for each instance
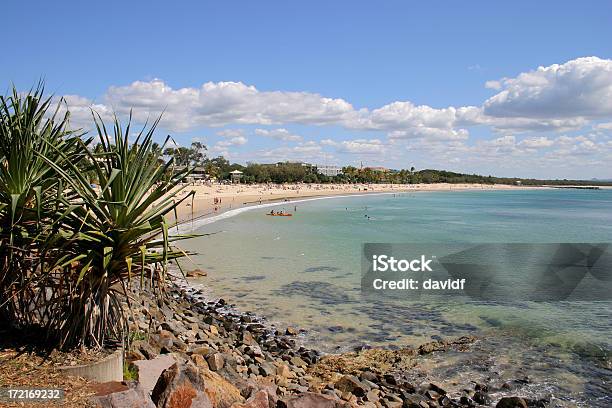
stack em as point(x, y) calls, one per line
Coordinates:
point(229, 359)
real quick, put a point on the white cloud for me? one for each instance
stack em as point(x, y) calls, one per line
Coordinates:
point(230, 133)
point(222, 103)
point(80, 109)
point(536, 142)
point(308, 151)
point(357, 146)
point(580, 88)
point(234, 141)
point(429, 134)
point(603, 126)
point(497, 85)
point(226, 103)
point(404, 115)
point(279, 134)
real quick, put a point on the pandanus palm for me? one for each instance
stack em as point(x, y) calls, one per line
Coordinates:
point(111, 235)
point(32, 135)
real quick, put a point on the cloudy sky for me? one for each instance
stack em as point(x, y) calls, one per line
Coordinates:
point(520, 89)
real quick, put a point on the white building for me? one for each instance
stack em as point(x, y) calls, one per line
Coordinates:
point(330, 171)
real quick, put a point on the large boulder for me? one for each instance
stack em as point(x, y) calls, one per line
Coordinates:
point(183, 385)
point(180, 386)
point(220, 391)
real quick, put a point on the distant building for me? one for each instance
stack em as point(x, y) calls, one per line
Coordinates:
point(329, 171)
point(308, 166)
point(381, 169)
point(236, 175)
point(198, 173)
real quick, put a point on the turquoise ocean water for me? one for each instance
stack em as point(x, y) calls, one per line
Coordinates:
point(305, 271)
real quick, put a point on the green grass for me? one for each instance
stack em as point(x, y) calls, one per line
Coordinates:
point(130, 372)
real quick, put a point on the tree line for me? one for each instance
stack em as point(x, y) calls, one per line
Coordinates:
point(288, 172)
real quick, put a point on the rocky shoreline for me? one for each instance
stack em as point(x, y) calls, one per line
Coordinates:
point(206, 353)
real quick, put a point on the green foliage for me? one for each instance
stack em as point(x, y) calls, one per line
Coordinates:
point(70, 251)
point(187, 156)
point(31, 136)
point(279, 173)
point(130, 372)
point(136, 336)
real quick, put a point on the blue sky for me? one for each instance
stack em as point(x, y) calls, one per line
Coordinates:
point(406, 79)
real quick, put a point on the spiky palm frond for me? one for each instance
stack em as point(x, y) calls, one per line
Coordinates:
point(113, 233)
point(32, 134)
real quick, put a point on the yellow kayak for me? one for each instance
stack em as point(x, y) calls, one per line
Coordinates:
point(280, 215)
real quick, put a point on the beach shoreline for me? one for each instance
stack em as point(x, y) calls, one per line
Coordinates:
point(216, 199)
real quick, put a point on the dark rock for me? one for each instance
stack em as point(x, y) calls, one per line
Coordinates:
point(481, 387)
point(368, 375)
point(481, 398)
point(437, 388)
point(390, 379)
point(415, 401)
point(350, 383)
point(466, 401)
point(512, 402)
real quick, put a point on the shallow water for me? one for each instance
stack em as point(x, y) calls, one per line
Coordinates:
point(305, 271)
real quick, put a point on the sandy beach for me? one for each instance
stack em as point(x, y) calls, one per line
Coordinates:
point(212, 199)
